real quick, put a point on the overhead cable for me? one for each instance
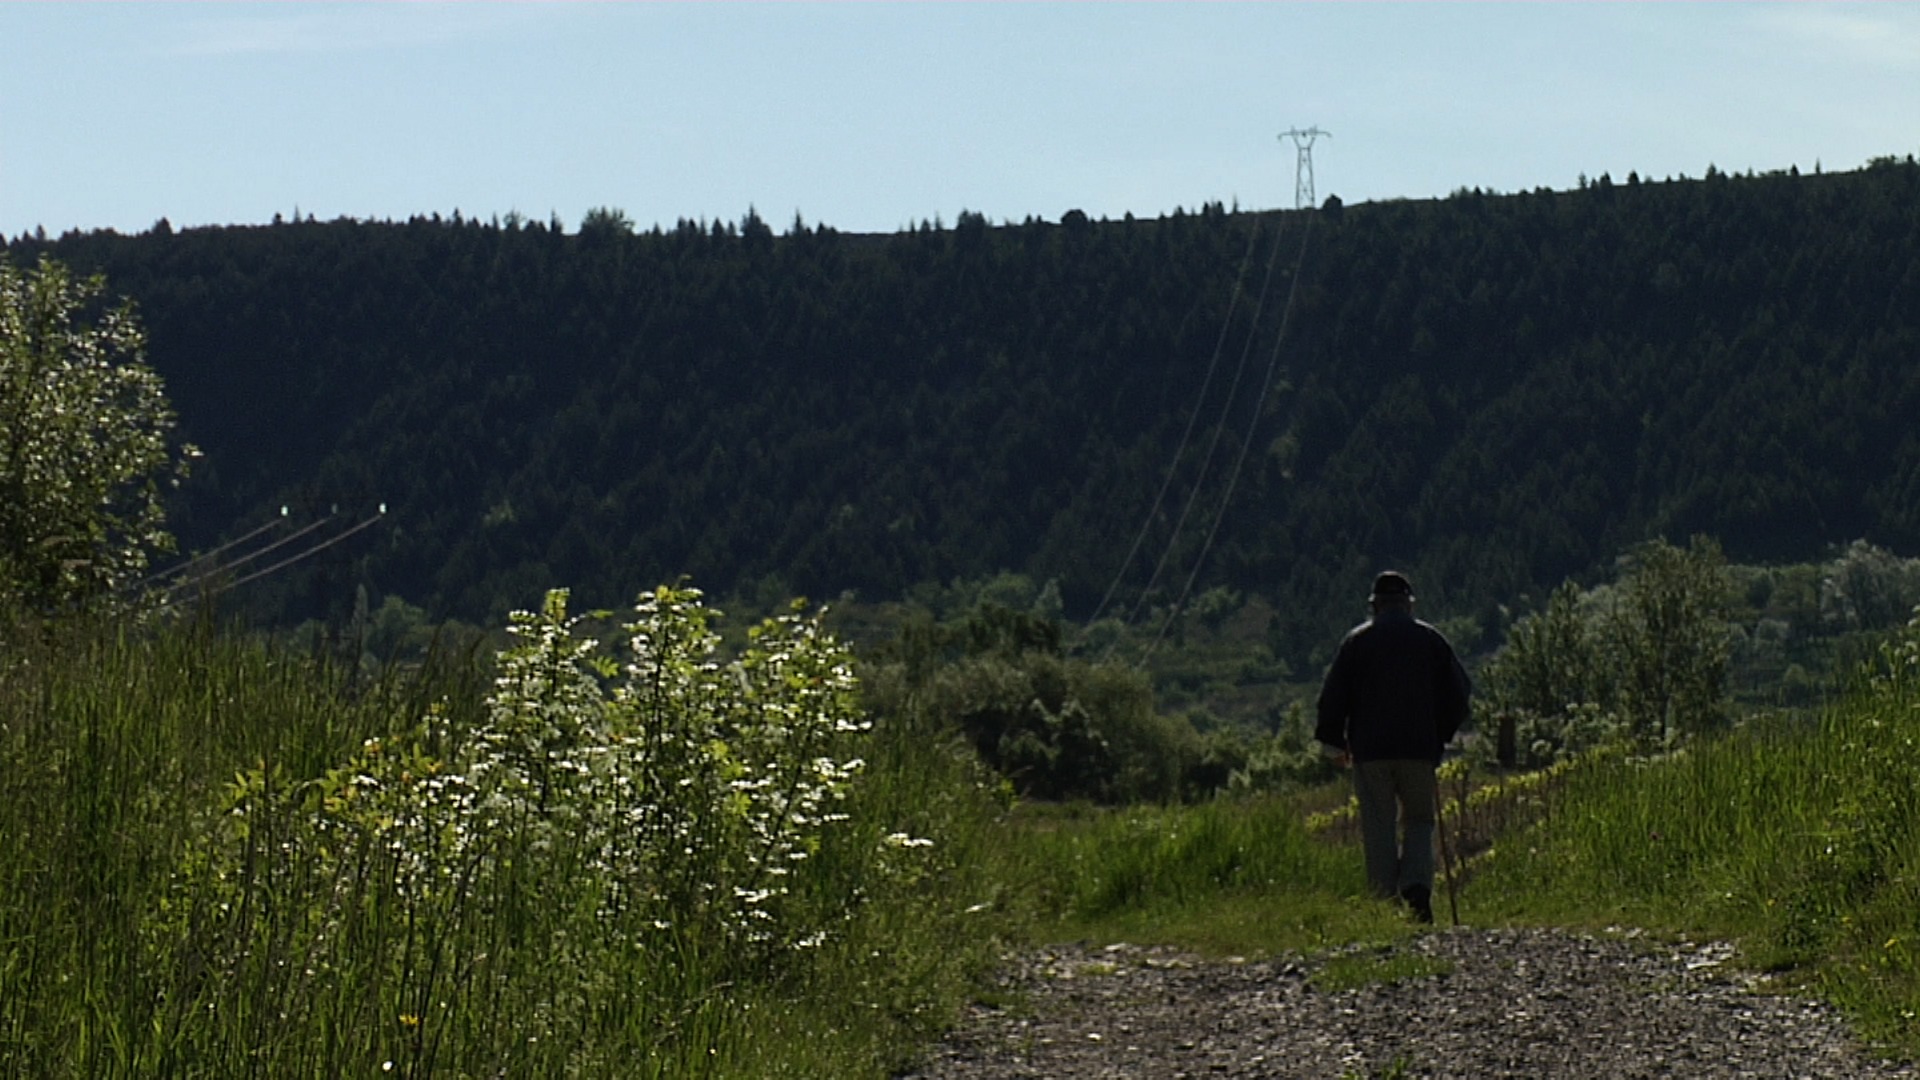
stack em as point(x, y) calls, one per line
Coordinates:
point(1233, 478)
point(314, 550)
point(228, 567)
point(181, 568)
point(1219, 431)
point(1186, 436)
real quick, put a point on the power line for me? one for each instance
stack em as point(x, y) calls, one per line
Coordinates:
point(228, 567)
point(1219, 346)
point(1233, 478)
point(1303, 200)
point(314, 550)
point(1219, 431)
point(181, 568)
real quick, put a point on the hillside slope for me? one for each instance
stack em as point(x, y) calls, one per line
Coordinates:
point(1491, 391)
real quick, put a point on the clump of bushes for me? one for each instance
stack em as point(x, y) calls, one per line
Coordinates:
point(1643, 660)
point(1053, 726)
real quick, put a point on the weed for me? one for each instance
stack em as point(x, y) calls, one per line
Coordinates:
point(1385, 966)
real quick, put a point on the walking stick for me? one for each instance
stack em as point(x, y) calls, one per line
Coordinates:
point(1446, 855)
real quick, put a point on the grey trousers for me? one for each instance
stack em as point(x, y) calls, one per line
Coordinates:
point(1396, 793)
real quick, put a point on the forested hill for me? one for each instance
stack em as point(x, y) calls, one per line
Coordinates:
point(1489, 391)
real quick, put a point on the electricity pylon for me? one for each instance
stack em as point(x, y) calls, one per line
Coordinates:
point(1303, 171)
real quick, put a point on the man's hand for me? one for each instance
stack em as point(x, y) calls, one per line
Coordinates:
point(1338, 755)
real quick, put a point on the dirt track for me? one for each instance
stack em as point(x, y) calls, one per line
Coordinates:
point(1510, 1003)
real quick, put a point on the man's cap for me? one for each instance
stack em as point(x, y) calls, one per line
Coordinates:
point(1392, 585)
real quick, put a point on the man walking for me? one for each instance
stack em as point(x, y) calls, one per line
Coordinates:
point(1394, 697)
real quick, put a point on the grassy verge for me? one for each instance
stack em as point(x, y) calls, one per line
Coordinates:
point(120, 954)
point(1797, 841)
point(149, 927)
point(1234, 876)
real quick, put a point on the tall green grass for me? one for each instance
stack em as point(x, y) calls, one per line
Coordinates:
point(1235, 875)
point(112, 748)
point(146, 929)
point(162, 913)
point(1797, 839)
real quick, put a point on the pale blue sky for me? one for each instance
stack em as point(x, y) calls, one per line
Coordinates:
point(872, 116)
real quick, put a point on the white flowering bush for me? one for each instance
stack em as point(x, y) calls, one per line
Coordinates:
point(660, 797)
point(717, 778)
point(688, 785)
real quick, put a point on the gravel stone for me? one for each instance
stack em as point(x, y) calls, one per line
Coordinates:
point(1511, 1003)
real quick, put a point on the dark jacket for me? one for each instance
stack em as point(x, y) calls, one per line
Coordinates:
point(1396, 691)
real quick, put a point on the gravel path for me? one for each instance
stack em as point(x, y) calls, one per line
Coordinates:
point(1494, 1003)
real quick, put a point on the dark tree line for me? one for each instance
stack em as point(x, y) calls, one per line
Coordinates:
point(1493, 392)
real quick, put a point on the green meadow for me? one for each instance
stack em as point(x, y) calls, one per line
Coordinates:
point(224, 859)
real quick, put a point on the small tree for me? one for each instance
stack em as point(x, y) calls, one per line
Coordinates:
point(1869, 588)
point(83, 441)
point(1542, 690)
point(1645, 657)
point(1668, 639)
point(606, 221)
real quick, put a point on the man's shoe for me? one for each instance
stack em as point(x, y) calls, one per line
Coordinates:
point(1420, 899)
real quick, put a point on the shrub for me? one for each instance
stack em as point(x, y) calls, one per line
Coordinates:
point(601, 830)
point(1644, 659)
point(1064, 729)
